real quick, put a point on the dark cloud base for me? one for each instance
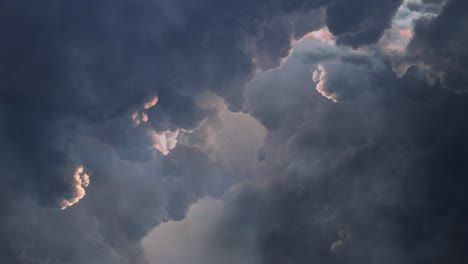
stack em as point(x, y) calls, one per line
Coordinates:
point(378, 177)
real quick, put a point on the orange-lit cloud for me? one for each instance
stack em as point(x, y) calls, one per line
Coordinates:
point(136, 118)
point(323, 35)
point(406, 33)
point(151, 103)
point(164, 141)
point(319, 76)
point(144, 117)
point(80, 182)
point(396, 40)
point(141, 116)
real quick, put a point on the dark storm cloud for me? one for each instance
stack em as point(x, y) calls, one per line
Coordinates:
point(61, 70)
point(378, 177)
point(129, 199)
point(144, 195)
point(361, 22)
point(439, 46)
point(79, 70)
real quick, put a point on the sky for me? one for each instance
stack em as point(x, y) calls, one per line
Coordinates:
point(249, 131)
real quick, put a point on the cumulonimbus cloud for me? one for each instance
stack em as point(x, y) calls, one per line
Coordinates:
point(75, 80)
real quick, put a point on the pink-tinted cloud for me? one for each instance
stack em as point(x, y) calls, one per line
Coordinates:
point(319, 76)
point(151, 103)
point(80, 182)
point(164, 141)
point(323, 35)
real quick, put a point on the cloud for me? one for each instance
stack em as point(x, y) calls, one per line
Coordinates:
point(80, 182)
point(165, 141)
point(141, 116)
point(95, 73)
point(319, 76)
point(322, 35)
point(375, 177)
point(362, 24)
point(438, 46)
point(151, 103)
point(193, 239)
point(118, 90)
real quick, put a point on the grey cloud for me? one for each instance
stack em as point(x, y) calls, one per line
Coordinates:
point(433, 7)
point(191, 240)
point(98, 69)
point(78, 70)
point(439, 45)
point(383, 170)
point(362, 22)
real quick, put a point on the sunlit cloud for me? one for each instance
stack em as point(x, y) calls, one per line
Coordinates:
point(144, 117)
point(397, 38)
point(164, 141)
point(322, 35)
point(151, 103)
point(139, 117)
point(319, 76)
point(136, 118)
point(80, 182)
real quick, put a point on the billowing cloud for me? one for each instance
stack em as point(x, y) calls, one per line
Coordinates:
point(319, 76)
point(79, 182)
point(165, 141)
point(166, 102)
point(322, 35)
point(373, 178)
point(396, 39)
point(362, 24)
point(141, 116)
point(151, 103)
point(96, 73)
point(193, 239)
point(438, 45)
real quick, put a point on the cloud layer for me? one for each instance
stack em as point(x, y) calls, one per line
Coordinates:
point(289, 113)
